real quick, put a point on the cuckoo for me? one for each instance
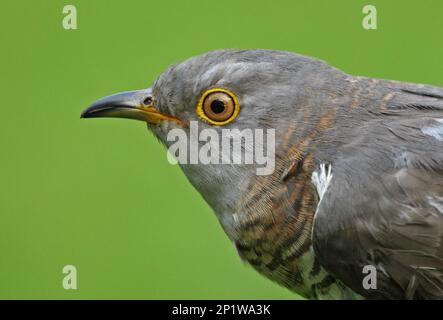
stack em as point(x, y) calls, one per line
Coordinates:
point(357, 186)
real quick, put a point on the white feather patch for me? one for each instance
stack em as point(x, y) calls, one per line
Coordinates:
point(321, 180)
point(437, 203)
point(435, 131)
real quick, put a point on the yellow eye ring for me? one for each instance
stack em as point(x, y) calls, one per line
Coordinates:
point(218, 106)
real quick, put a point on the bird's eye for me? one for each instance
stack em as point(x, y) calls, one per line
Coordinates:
point(148, 101)
point(218, 106)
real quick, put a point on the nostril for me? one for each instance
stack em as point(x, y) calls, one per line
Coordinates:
point(147, 101)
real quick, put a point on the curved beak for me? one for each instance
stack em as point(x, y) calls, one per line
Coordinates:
point(137, 105)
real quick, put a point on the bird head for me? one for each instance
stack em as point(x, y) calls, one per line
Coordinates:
point(225, 89)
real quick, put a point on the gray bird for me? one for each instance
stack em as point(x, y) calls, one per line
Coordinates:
point(354, 206)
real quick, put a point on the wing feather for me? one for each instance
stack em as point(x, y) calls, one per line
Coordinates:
point(384, 208)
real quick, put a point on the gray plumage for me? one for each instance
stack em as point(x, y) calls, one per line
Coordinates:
point(383, 143)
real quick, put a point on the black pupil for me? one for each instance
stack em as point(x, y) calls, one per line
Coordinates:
point(147, 101)
point(217, 106)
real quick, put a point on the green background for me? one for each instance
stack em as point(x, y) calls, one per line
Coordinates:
point(100, 194)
